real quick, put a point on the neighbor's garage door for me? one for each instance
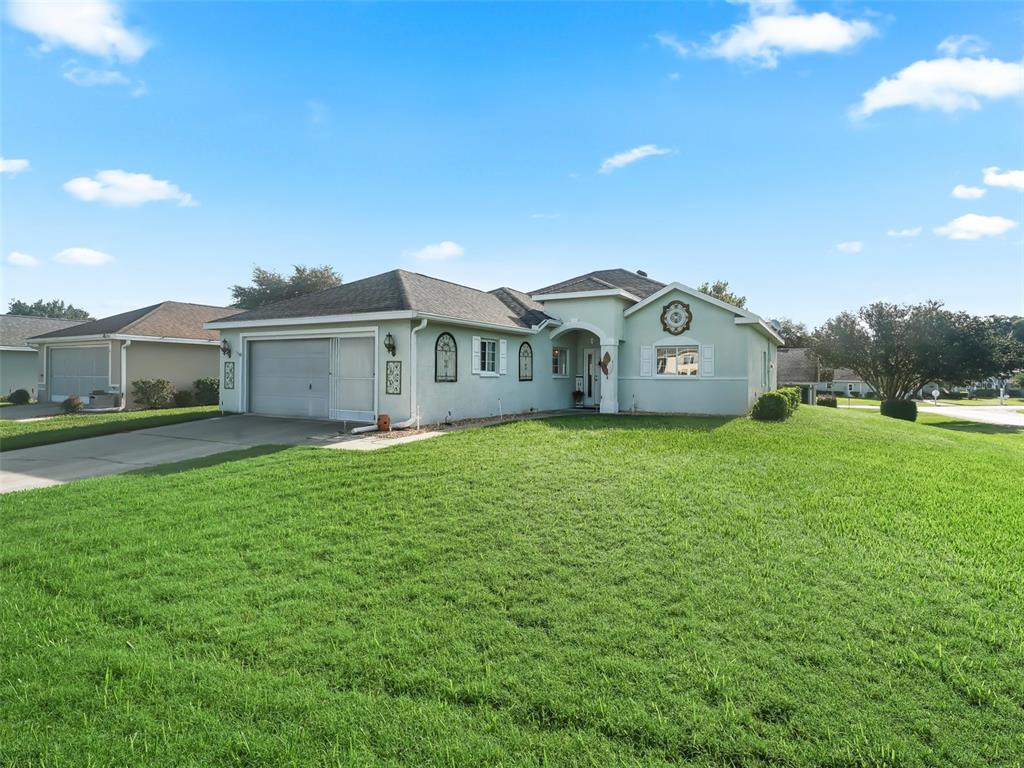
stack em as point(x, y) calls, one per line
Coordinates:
point(78, 371)
point(289, 378)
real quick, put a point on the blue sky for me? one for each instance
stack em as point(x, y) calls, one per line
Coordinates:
point(477, 143)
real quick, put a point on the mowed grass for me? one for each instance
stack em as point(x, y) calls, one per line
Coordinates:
point(58, 429)
point(836, 590)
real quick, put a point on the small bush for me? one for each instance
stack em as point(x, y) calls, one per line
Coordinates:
point(793, 395)
point(72, 404)
point(19, 397)
point(900, 409)
point(979, 394)
point(183, 398)
point(207, 390)
point(828, 400)
point(153, 393)
point(771, 406)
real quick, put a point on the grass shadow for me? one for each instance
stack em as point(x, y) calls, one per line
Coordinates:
point(979, 427)
point(212, 460)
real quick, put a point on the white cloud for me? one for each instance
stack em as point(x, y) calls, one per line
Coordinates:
point(972, 226)
point(851, 246)
point(12, 166)
point(446, 249)
point(622, 159)
point(87, 76)
point(90, 26)
point(116, 187)
point(673, 75)
point(674, 44)
point(995, 178)
point(908, 232)
point(84, 257)
point(968, 45)
point(19, 259)
point(963, 192)
point(946, 84)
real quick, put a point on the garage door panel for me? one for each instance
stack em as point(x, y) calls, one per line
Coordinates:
point(289, 378)
point(78, 371)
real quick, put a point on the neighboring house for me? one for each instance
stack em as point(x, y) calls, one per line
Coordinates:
point(800, 367)
point(421, 349)
point(18, 366)
point(163, 341)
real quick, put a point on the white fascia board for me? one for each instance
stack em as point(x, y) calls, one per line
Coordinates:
point(762, 326)
point(120, 337)
point(585, 295)
point(696, 294)
point(18, 349)
point(404, 314)
point(478, 324)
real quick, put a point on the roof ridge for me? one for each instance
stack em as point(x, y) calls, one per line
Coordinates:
point(403, 289)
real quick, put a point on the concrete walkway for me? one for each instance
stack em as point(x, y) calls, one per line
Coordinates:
point(47, 465)
point(1005, 415)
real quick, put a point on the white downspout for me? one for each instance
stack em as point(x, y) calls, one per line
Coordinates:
point(124, 374)
point(413, 376)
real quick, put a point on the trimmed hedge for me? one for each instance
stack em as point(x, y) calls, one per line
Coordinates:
point(207, 390)
point(829, 401)
point(899, 409)
point(771, 406)
point(19, 397)
point(153, 393)
point(792, 394)
point(183, 398)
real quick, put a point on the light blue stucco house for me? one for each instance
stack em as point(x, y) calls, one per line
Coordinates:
point(423, 350)
point(19, 360)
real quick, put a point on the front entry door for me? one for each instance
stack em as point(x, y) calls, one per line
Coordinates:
point(591, 377)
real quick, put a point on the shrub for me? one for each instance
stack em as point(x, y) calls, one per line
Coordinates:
point(771, 406)
point(828, 400)
point(983, 393)
point(900, 409)
point(19, 397)
point(870, 395)
point(207, 390)
point(953, 395)
point(793, 395)
point(183, 398)
point(153, 393)
point(72, 404)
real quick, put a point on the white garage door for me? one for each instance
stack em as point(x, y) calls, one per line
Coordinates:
point(290, 378)
point(78, 371)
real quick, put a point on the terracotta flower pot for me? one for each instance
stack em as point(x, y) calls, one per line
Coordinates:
point(384, 423)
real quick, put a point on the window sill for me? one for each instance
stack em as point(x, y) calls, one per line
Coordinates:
point(560, 376)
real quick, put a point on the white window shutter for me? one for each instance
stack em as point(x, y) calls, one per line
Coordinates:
point(646, 360)
point(502, 357)
point(707, 360)
point(476, 354)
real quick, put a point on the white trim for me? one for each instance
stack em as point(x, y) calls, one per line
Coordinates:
point(45, 385)
point(377, 316)
point(584, 295)
point(18, 349)
point(770, 332)
point(488, 326)
point(696, 294)
point(123, 337)
point(567, 357)
point(666, 377)
point(677, 344)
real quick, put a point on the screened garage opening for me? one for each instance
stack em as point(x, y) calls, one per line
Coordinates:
point(78, 371)
point(329, 378)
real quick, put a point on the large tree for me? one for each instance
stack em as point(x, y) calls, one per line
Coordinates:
point(793, 333)
point(720, 290)
point(897, 349)
point(269, 286)
point(55, 309)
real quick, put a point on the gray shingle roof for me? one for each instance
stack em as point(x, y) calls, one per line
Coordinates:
point(168, 319)
point(399, 290)
point(15, 329)
point(605, 279)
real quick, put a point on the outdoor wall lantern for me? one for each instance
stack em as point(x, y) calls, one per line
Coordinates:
point(225, 348)
point(389, 344)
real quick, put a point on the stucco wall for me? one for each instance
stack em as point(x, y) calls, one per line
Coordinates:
point(19, 370)
point(180, 364)
point(472, 395)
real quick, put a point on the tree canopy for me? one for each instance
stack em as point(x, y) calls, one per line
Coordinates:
point(269, 286)
point(54, 308)
point(794, 334)
point(720, 290)
point(897, 349)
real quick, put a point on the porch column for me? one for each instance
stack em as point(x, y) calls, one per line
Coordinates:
point(610, 383)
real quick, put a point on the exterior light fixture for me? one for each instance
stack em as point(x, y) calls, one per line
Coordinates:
point(389, 344)
point(225, 348)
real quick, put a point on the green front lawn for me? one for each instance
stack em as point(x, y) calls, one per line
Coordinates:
point(837, 590)
point(58, 429)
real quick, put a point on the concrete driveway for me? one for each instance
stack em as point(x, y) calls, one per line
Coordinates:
point(1005, 415)
point(30, 411)
point(113, 454)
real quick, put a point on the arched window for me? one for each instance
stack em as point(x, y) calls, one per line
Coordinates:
point(525, 362)
point(446, 358)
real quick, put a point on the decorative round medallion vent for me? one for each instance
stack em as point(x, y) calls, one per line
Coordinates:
point(676, 317)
